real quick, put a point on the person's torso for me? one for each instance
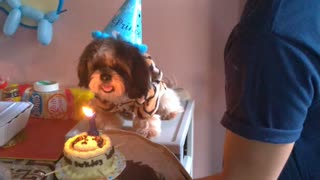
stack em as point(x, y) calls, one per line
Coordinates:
point(296, 21)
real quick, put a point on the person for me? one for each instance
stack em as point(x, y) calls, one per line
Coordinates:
point(272, 71)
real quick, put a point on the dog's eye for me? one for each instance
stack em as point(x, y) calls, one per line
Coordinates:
point(105, 77)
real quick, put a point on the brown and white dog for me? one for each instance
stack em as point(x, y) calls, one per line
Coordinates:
point(126, 82)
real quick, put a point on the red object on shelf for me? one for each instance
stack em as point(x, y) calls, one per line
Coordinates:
point(22, 88)
point(44, 140)
point(3, 84)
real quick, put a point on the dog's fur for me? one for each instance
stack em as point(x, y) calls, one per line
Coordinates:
point(119, 74)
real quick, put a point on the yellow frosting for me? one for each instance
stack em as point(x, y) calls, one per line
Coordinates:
point(88, 156)
point(88, 148)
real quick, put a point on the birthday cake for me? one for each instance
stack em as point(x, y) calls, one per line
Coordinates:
point(88, 157)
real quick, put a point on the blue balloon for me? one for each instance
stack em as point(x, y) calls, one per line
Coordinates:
point(12, 22)
point(14, 3)
point(32, 13)
point(52, 16)
point(45, 32)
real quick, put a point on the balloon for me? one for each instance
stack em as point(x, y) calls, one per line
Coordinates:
point(12, 22)
point(40, 19)
point(52, 16)
point(44, 32)
point(32, 13)
point(14, 3)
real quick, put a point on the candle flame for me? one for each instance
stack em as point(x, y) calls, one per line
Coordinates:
point(87, 111)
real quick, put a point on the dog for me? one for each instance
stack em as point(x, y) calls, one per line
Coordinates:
point(126, 83)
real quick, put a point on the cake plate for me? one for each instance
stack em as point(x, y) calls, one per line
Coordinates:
point(119, 162)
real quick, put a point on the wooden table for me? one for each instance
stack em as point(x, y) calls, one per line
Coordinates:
point(144, 160)
point(176, 135)
point(169, 155)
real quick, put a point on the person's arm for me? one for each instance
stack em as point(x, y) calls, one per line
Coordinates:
point(247, 159)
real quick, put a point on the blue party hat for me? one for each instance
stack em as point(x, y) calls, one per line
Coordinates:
point(125, 25)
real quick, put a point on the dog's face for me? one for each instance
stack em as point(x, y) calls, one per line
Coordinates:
point(113, 69)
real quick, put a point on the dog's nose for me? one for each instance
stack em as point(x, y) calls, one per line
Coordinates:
point(105, 77)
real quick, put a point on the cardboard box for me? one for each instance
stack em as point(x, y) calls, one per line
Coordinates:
point(13, 118)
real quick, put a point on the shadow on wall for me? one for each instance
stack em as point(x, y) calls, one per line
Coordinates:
point(219, 31)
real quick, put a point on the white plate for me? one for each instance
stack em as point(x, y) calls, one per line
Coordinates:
point(119, 163)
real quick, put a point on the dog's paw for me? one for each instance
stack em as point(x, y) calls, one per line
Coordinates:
point(153, 133)
point(149, 133)
point(148, 127)
point(142, 127)
point(169, 116)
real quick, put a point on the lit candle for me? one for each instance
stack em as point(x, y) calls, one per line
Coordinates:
point(92, 122)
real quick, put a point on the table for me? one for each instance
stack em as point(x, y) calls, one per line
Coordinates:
point(159, 157)
point(175, 143)
point(144, 158)
point(176, 135)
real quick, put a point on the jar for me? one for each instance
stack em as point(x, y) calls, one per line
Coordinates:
point(49, 102)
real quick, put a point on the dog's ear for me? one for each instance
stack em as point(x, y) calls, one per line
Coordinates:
point(83, 71)
point(140, 78)
point(89, 55)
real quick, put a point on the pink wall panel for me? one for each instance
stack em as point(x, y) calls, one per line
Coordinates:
point(186, 37)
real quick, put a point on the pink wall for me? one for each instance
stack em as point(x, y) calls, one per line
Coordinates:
point(186, 37)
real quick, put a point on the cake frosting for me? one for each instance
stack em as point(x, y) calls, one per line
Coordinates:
point(88, 157)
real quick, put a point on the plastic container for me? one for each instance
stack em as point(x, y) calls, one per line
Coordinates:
point(47, 99)
point(51, 102)
point(13, 118)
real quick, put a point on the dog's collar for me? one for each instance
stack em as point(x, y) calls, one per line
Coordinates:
point(110, 106)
